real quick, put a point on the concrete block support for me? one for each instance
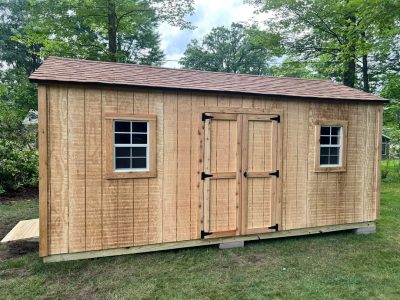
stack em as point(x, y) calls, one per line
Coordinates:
point(231, 245)
point(366, 230)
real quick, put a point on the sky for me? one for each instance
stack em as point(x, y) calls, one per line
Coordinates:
point(207, 14)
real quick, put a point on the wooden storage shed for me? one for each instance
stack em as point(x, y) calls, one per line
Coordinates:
point(137, 158)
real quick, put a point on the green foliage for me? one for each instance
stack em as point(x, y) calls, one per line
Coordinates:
point(337, 34)
point(234, 50)
point(18, 166)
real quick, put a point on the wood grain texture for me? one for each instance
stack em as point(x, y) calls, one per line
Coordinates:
point(156, 107)
point(184, 140)
point(109, 187)
point(76, 170)
point(170, 166)
point(58, 169)
point(93, 172)
point(141, 186)
point(43, 170)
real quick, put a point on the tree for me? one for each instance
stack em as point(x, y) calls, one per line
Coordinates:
point(342, 34)
point(114, 30)
point(234, 50)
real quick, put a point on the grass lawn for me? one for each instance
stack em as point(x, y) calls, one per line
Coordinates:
point(329, 266)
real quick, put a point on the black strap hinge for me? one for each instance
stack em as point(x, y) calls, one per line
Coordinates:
point(204, 117)
point(277, 118)
point(204, 175)
point(203, 234)
point(276, 173)
point(274, 227)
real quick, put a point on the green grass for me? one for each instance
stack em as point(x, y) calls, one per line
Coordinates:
point(329, 266)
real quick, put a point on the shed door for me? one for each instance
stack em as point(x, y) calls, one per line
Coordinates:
point(259, 181)
point(240, 174)
point(221, 174)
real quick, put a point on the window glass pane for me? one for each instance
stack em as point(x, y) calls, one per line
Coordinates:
point(122, 126)
point(334, 140)
point(122, 152)
point(324, 160)
point(324, 151)
point(334, 160)
point(335, 130)
point(139, 138)
point(122, 163)
point(139, 163)
point(139, 151)
point(334, 151)
point(324, 140)
point(122, 138)
point(325, 130)
point(139, 126)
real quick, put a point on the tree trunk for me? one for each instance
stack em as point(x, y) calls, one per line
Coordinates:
point(349, 74)
point(365, 73)
point(112, 31)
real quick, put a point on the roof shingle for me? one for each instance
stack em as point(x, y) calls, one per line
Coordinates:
point(56, 69)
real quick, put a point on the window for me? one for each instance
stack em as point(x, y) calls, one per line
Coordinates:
point(131, 146)
point(331, 137)
point(331, 146)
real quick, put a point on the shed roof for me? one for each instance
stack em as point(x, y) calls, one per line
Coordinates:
point(56, 69)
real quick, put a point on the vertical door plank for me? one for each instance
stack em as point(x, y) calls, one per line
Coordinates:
point(93, 140)
point(156, 107)
point(109, 187)
point(76, 169)
point(184, 167)
point(170, 167)
point(58, 157)
point(141, 186)
point(207, 170)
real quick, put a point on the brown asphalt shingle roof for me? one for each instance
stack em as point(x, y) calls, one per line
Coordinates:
point(56, 69)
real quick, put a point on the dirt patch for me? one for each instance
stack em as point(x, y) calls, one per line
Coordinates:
point(11, 273)
point(20, 248)
point(26, 194)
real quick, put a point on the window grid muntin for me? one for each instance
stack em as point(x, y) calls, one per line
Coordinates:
point(337, 145)
point(131, 146)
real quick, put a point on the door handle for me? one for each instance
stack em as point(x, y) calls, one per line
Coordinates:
point(245, 174)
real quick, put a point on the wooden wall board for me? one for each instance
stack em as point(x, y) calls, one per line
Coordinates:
point(58, 169)
point(109, 187)
point(76, 170)
point(141, 186)
point(93, 171)
point(43, 170)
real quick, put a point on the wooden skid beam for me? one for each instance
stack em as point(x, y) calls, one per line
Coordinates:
point(205, 242)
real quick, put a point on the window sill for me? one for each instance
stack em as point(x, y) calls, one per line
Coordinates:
point(130, 175)
point(330, 170)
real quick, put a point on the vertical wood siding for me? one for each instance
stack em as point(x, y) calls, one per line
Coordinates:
point(88, 212)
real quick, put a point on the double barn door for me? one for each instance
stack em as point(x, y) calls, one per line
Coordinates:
point(240, 174)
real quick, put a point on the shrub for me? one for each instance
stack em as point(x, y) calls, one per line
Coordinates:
point(18, 166)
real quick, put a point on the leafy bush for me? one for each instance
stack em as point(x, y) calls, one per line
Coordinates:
point(18, 166)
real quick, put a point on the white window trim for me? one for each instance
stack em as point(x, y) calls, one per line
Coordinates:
point(147, 146)
point(340, 146)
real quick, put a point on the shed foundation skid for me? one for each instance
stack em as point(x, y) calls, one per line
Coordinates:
point(204, 242)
